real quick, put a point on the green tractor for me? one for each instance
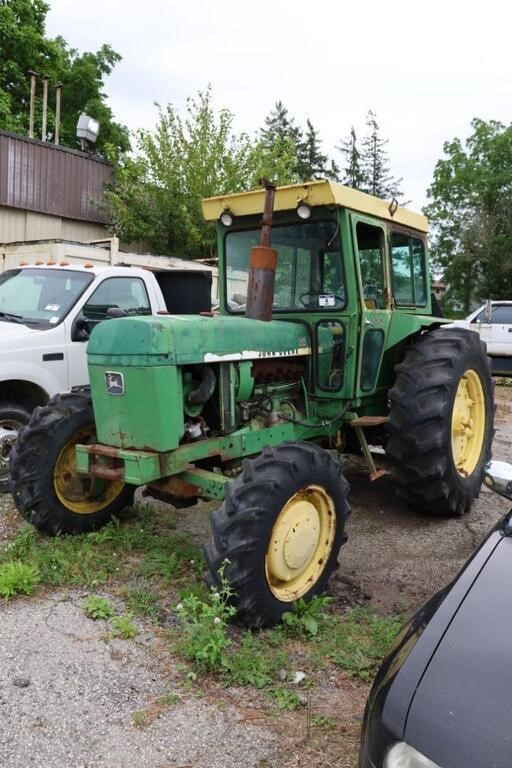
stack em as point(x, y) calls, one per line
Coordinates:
point(324, 341)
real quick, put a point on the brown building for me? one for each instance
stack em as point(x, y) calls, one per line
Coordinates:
point(48, 191)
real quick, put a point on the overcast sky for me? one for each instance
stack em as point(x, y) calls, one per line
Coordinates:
point(425, 69)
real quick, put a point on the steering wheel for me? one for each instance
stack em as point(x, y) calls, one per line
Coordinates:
point(318, 293)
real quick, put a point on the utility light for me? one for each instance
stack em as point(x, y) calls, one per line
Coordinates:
point(87, 129)
point(303, 211)
point(227, 218)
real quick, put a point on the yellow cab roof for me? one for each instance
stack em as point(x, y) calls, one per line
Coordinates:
point(314, 193)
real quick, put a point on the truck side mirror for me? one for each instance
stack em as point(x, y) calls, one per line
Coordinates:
point(80, 329)
point(116, 312)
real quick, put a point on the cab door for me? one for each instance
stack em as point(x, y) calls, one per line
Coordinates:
point(369, 239)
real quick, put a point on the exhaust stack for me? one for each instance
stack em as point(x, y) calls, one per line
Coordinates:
point(262, 266)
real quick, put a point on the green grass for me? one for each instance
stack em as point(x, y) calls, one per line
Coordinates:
point(97, 607)
point(357, 641)
point(123, 626)
point(152, 568)
point(310, 638)
point(145, 548)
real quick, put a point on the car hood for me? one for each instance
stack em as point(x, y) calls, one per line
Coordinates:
point(461, 712)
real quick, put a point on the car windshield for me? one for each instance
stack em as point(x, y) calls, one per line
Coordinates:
point(309, 272)
point(39, 297)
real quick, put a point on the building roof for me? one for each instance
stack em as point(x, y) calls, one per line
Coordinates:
point(314, 193)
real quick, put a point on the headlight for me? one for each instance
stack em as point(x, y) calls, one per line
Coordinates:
point(404, 756)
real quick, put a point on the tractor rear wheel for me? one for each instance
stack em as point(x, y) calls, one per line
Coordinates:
point(441, 421)
point(46, 488)
point(279, 530)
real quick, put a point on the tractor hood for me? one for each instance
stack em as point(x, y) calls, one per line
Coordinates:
point(189, 339)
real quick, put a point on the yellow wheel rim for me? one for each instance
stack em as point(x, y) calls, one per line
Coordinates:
point(468, 423)
point(301, 543)
point(80, 493)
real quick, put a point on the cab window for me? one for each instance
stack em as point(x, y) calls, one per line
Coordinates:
point(309, 272)
point(408, 270)
point(371, 263)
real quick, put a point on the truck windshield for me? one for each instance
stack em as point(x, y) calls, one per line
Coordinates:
point(40, 297)
point(309, 274)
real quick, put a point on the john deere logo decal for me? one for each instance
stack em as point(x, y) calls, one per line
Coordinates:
point(114, 383)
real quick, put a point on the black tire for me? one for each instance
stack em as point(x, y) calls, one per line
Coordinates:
point(244, 527)
point(420, 421)
point(35, 463)
point(13, 417)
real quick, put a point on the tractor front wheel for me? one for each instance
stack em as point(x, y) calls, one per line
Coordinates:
point(46, 488)
point(441, 421)
point(279, 530)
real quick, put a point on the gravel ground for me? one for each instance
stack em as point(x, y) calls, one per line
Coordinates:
point(68, 694)
point(68, 697)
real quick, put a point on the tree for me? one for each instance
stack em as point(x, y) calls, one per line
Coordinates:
point(352, 172)
point(311, 162)
point(25, 47)
point(157, 194)
point(470, 208)
point(280, 127)
point(377, 179)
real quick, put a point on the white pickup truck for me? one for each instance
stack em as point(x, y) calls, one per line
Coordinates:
point(48, 310)
point(493, 322)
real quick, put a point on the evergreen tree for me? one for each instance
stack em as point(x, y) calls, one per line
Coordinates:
point(352, 172)
point(311, 162)
point(280, 127)
point(377, 179)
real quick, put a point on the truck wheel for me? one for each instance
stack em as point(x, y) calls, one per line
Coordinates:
point(45, 486)
point(441, 421)
point(280, 529)
point(12, 418)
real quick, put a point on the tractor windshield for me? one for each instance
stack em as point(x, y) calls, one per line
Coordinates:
point(309, 274)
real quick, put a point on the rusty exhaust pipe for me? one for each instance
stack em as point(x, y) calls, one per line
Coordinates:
point(262, 265)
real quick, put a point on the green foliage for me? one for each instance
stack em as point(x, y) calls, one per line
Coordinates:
point(123, 626)
point(304, 619)
point(305, 161)
point(358, 641)
point(25, 47)
point(157, 194)
point(97, 607)
point(353, 175)
point(204, 626)
point(323, 721)
point(136, 550)
point(286, 699)
point(366, 166)
point(470, 209)
point(143, 601)
point(251, 664)
point(17, 578)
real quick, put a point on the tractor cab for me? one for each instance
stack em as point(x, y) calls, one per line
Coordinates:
point(351, 268)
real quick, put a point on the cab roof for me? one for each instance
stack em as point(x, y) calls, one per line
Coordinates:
point(314, 193)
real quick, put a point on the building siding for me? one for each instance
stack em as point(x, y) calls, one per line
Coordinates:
point(40, 177)
point(20, 226)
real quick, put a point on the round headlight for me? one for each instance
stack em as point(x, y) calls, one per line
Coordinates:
point(226, 218)
point(303, 211)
